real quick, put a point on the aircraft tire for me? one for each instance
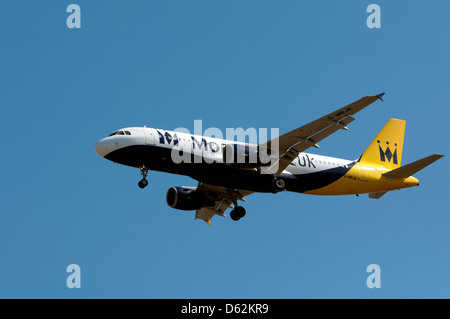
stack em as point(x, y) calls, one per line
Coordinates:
point(240, 211)
point(234, 216)
point(143, 183)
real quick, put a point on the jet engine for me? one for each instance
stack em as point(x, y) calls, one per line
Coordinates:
point(187, 198)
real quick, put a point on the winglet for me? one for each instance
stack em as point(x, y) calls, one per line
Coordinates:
point(380, 96)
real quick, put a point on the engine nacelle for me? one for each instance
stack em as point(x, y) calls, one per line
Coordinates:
point(242, 156)
point(187, 198)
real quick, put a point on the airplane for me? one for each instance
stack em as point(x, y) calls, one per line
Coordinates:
point(228, 171)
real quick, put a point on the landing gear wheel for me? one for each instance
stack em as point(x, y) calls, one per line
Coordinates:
point(240, 211)
point(237, 213)
point(234, 216)
point(143, 183)
point(278, 185)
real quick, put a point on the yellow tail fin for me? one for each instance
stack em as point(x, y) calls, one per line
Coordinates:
point(386, 149)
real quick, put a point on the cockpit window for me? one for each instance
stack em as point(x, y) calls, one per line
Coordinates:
point(120, 133)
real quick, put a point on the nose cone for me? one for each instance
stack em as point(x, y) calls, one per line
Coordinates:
point(102, 147)
point(119, 140)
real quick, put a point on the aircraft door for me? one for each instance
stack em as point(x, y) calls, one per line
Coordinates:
point(149, 136)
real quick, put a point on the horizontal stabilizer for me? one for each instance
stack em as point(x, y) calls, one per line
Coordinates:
point(412, 168)
point(377, 195)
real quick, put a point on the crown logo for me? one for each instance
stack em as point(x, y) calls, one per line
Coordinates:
point(387, 154)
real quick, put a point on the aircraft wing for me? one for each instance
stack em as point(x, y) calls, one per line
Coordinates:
point(306, 136)
point(223, 198)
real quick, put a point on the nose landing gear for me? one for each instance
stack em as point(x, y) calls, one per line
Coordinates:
point(143, 182)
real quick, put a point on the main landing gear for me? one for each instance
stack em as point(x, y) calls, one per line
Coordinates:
point(143, 182)
point(237, 213)
point(278, 185)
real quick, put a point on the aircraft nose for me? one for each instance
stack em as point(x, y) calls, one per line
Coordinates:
point(102, 148)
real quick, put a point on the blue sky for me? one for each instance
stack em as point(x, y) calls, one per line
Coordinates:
point(259, 64)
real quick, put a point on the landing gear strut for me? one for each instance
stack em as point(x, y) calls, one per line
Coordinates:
point(143, 182)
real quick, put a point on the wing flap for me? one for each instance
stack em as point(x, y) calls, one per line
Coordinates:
point(223, 197)
point(206, 213)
